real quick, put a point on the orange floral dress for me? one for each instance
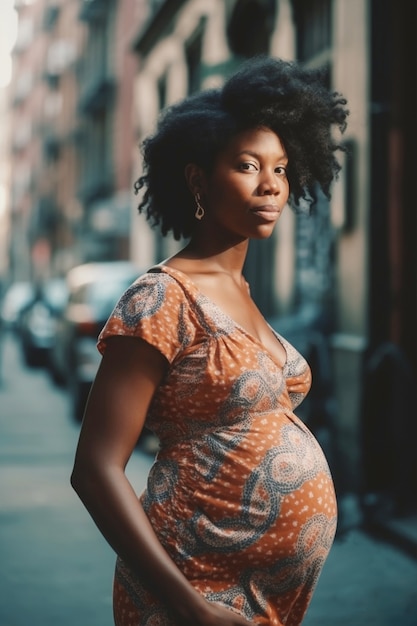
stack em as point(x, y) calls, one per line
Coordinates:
point(240, 494)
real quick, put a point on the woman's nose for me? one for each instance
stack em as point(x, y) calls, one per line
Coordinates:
point(268, 185)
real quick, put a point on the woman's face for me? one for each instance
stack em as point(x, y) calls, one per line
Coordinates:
point(248, 187)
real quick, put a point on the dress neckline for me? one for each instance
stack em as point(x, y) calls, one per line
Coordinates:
point(176, 274)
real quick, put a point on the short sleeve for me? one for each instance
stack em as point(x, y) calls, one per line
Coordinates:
point(156, 309)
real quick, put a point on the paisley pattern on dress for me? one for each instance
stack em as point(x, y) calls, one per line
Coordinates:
point(240, 494)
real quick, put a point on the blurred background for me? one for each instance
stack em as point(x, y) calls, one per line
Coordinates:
point(81, 84)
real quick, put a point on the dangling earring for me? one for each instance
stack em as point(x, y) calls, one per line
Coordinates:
point(199, 212)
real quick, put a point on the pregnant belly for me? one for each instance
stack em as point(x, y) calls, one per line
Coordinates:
point(255, 504)
point(268, 519)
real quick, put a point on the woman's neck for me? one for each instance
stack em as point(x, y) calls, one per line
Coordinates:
point(213, 255)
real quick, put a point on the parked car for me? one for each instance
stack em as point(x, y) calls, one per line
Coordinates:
point(37, 321)
point(16, 297)
point(93, 290)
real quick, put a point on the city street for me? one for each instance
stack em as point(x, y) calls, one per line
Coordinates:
point(56, 570)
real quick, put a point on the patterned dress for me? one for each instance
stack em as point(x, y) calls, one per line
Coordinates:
point(240, 494)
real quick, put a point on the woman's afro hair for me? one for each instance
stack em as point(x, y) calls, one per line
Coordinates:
point(283, 96)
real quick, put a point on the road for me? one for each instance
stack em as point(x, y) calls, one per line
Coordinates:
point(56, 570)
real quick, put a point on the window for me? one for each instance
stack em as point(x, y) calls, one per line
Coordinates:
point(193, 56)
point(162, 91)
point(313, 21)
point(250, 27)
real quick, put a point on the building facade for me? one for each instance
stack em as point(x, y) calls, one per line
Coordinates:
point(106, 81)
point(71, 148)
point(26, 97)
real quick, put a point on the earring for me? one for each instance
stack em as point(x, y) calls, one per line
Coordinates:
point(199, 212)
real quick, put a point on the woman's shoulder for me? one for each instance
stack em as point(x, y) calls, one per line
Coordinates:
point(150, 292)
point(173, 277)
point(155, 308)
point(158, 279)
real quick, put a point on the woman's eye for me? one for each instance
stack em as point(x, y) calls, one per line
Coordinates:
point(281, 171)
point(246, 166)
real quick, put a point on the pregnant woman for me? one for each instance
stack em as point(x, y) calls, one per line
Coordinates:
point(239, 512)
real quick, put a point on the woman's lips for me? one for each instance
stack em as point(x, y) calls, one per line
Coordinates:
point(268, 212)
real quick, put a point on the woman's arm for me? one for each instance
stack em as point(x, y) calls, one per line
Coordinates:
point(126, 381)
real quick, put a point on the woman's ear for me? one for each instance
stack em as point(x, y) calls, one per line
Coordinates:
point(195, 178)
